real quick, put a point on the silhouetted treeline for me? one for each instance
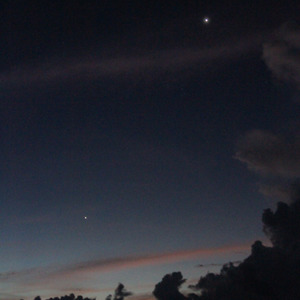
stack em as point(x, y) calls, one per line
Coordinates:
point(120, 293)
point(70, 297)
point(269, 273)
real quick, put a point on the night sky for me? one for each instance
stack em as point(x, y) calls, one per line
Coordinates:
point(138, 139)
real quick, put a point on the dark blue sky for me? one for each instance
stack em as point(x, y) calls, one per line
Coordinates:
point(132, 115)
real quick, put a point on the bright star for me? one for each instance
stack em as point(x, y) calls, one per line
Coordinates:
point(206, 20)
point(85, 217)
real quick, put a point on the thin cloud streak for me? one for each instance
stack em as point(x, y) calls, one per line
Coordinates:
point(160, 61)
point(117, 264)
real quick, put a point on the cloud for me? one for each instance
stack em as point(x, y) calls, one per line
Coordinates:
point(123, 66)
point(75, 277)
point(276, 157)
point(115, 264)
point(20, 274)
point(282, 54)
point(270, 154)
point(282, 191)
point(35, 276)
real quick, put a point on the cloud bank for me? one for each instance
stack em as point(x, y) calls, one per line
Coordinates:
point(35, 276)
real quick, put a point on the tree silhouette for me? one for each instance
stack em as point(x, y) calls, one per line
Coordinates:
point(168, 288)
point(120, 293)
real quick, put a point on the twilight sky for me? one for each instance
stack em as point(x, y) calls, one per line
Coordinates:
point(138, 140)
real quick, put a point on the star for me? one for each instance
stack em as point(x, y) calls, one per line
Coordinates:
point(85, 217)
point(206, 20)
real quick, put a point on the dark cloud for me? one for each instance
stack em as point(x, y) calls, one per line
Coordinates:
point(282, 54)
point(269, 154)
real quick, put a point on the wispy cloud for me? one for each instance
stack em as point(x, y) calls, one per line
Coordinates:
point(74, 277)
point(96, 67)
point(270, 154)
point(116, 264)
point(282, 54)
point(275, 156)
point(139, 261)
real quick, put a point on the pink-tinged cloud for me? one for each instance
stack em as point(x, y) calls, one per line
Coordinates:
point(70, 277)
point(117, 264)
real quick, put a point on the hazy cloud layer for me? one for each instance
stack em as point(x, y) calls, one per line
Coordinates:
point(269, 154)
point(35, 276)
point(122, 66)
point(75, 277)
point(139, 261)
point(282, 54)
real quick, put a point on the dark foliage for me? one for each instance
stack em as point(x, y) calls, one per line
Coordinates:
point(120, 293)
point(269, 273)
point(283, 226)
point(71, 297)
point(168, 288)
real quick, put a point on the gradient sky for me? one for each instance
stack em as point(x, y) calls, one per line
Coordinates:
point(132, 115)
